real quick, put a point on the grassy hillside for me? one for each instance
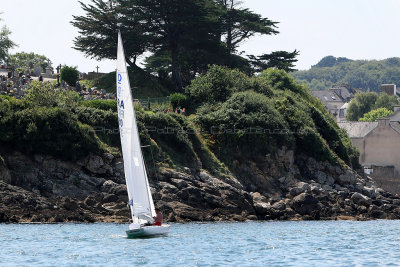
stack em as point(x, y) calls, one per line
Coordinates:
point(235, 118)
point(367, 75)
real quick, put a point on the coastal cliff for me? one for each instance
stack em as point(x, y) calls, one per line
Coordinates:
point(248, 148)
point(44, 189)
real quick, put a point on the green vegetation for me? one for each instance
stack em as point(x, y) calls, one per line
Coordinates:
point(365, 102)
point(101, 104)
point(5, 42)
point(44, 122)
point(248, 117)
point(367, 75)
point(182, 38)
point(142, 83)
point(235, 118)
point(376, 114)
point(26, 61)
point(70, 75)
point(178, 100)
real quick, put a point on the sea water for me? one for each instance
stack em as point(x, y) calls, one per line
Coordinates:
point(305, 243)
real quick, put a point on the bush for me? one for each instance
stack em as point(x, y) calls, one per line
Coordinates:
point(70, 75)
point(52, 131)
point(218, 84)
point(281, 112)
point(178, 100)
point(247, 124)
point(101, 104)
point(41, 94)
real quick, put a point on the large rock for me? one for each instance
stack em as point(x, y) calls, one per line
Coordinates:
point(305, 204)
point(360, 199)
point(111, 187)
point(347, 178)
point(94, 164)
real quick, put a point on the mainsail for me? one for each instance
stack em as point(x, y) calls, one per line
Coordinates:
point(140, 200)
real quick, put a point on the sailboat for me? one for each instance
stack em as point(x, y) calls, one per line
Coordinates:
point(140, 200)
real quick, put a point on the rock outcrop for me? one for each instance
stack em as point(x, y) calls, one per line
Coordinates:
point(40, 188)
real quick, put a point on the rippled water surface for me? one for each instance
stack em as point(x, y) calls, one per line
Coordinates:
point(328, 243)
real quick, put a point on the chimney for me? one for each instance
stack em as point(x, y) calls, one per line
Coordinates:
point(383, 122)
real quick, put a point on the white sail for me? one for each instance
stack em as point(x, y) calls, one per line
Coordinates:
point(140, 200)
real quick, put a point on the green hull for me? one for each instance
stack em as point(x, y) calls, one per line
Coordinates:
point(148, 232)
point(139, 233)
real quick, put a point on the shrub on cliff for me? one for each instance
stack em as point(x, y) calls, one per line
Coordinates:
point(52, 131)
point(101, 104)
point(219, 83)
point(278, 112)
point(247, 123)
point(41, 94)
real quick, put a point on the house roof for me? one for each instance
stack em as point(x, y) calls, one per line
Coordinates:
point(345, 105)
point(342, 92)
point(326, 95)
point(395, 126)
point(357, 129)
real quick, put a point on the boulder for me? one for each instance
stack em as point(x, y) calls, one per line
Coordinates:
point(347, 178)
point(369, 192)
point(70, 205)
point(111, 187)
point(305, 204)
point(108, 158)
point(360, 199)
point(296, 191)
point(280, 205)
point(94, 164)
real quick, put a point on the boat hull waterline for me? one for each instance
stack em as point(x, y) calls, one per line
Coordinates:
point(148, 231)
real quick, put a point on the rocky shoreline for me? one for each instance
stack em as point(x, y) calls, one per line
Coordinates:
point(284, 187)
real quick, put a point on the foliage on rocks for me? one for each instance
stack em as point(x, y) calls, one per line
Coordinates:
point(252, 123)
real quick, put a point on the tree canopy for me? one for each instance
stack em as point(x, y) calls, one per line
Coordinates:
point(180, 38)
point(5, 42)
point(70, 75)
point(376, 114)
point(367, 75)
point(365, 102)
point(29, 60)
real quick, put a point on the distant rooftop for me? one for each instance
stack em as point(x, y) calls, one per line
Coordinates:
point(357, 129)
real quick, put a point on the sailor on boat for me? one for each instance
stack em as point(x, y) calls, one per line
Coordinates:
point(159, 218)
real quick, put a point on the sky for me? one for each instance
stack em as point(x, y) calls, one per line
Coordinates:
point(356, 29)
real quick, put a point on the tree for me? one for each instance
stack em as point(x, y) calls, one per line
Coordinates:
point(70, 75)
point(365, 102)
point(98, 32)
point(182, 37)
point(376, 114)
point(239, 24)
point(386, 101)
point(361, 74)
point(29, 60)
point(156, 26)
point(279, 59)
point(5, 42)
point(362, 104)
